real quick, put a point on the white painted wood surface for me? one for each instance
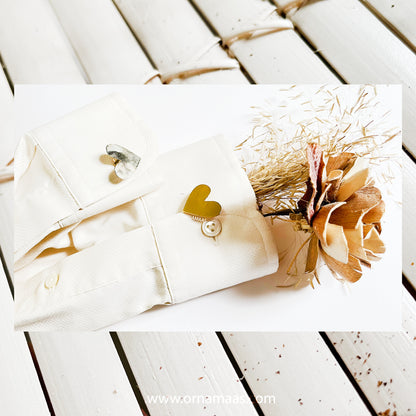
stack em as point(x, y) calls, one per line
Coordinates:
point(6, 117)
point(33, 45)
point(409, 224)
point(187, 365)
point(299, 369)
point(6, 154)
point(384, 363)
point(278, 56)
point(362, 50)
point(21, 393)
point(83, 374)
point(400, 15)
point(177, 40)
point(104, 44)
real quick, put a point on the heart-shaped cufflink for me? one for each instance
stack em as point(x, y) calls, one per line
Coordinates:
point(204, 211)
point(125, 161)
point(197, 206)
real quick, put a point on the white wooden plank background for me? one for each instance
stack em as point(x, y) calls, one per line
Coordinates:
point(19, 66)
point(21, 393)
point(83, 374)
point(184, 364)
point(277, 57)
point(290, 366)
point(6, 125)
point(6, 154)
point(400, 15)
point(33, 46)
point(384, 363)
point(159, 25)
point(104, 44)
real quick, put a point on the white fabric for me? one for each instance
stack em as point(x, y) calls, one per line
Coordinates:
point(59, 168)
point(144, 251)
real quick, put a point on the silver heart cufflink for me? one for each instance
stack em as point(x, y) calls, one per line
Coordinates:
point(125, 161)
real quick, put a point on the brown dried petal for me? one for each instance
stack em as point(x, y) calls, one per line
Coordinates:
point(339, 162)
point(337, 246)
point(321, 219)
point(334, 181)
point(331, 236)
point(375, 214)
point(350, 271)
point(360, 202)
point(315, 161)
point(373, 242)
point(352, 183)
point(355, 240)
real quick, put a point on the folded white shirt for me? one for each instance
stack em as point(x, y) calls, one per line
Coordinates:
point(126, 246)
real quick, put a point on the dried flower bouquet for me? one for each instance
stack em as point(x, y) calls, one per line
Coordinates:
point(309, 160)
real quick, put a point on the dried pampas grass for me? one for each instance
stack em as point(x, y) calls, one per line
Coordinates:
point(337, 118)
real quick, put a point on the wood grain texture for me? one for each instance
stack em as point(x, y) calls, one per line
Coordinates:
point(273, 57)
point(33, 46)
point(370, 53)
point(399, 15)
point(409, 225)
point(103, 42)
point(83, 374)
point(173, 45)
point(21, 393)
point(289, 366)
point(383, 363)
point(187, 365)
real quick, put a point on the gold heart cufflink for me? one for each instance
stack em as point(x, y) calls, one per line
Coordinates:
point(204, 211)
point(125, 161)
point(197, 206)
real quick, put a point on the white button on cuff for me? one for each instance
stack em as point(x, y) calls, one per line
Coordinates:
point(51, 281)
point(211, 228)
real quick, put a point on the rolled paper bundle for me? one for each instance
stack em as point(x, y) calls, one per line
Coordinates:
point(103, 266)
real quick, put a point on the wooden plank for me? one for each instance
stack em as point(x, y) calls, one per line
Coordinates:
point(191, 366)
point(33, 46)
point(103, 42)
point(7, 144)
point(399, 15)
point(7, 222)
point(6, 125)
point(84, 374)
point(275, 57)
point(175, 47)
point(381, 59)
point(288, 366)
point(21, 393)
point(383, 363)
point(409, 225)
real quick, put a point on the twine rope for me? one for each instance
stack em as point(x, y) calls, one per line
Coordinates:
point(259, 27)
point(199, 64)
